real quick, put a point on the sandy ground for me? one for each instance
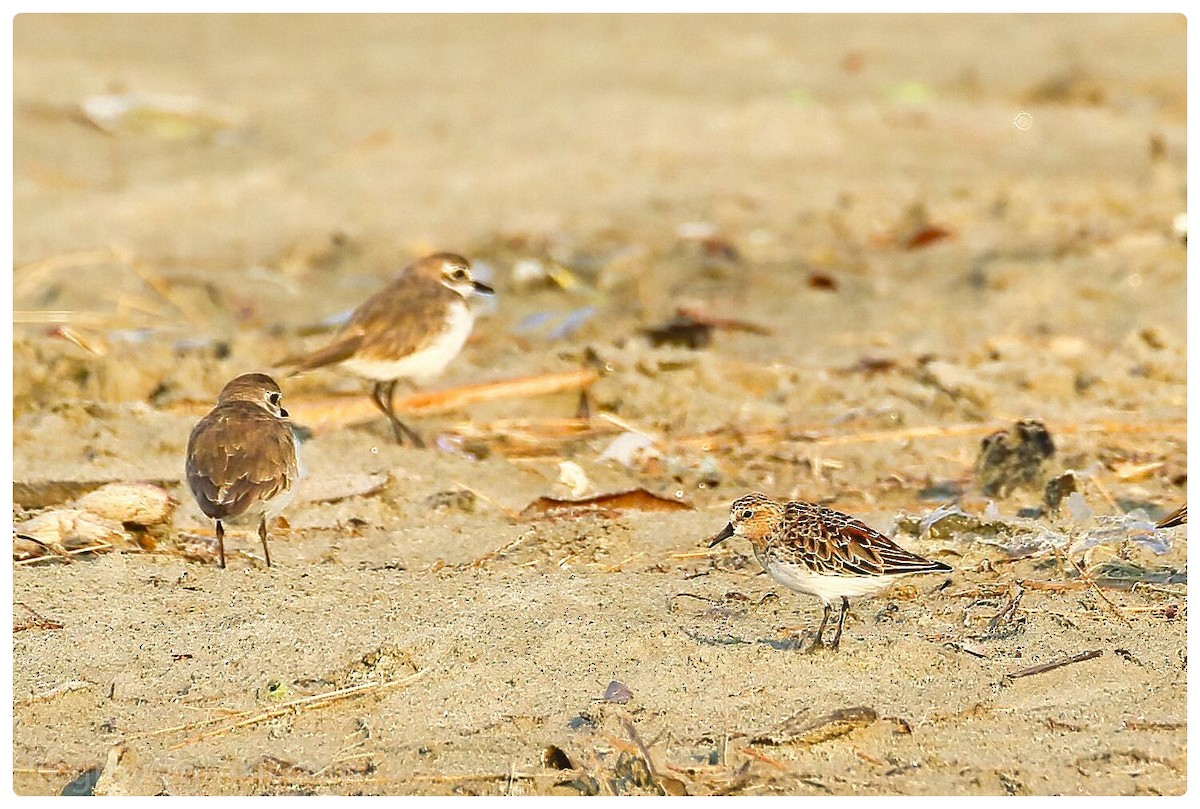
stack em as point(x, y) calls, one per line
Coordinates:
point(945, 224)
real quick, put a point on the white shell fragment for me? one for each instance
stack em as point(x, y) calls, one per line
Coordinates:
point(71, 528)
point(164, 116)
point(630, 450)
point(137, 503)
point(571, 475)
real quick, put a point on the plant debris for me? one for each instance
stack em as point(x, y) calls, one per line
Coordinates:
point(163, 116)
point(806, 729)
point(63, 532)
point(1013, 458)
point(603, 504)
point(1051, 666)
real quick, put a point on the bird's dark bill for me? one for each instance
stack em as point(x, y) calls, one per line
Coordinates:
point(483, 289)
point(725, 534)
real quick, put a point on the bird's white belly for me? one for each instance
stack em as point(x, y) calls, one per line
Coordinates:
point(422, 365)
point(267, 508)
point(825, 587)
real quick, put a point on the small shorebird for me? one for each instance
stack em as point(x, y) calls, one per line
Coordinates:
point(410, 329)
point(242, 458)
point(816, 550)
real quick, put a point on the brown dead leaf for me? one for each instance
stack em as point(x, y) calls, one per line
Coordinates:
point(926, 236)
point(821, 280)
point(631, 500)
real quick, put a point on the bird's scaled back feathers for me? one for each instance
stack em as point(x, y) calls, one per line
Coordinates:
point(831, 542)
point(240, 457)
point(823, 541)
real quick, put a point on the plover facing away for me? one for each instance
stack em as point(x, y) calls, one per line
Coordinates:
point(242, 459)
point(816, 550)
point(410, 329)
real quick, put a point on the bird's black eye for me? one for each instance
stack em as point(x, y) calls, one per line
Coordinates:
point(273, 398)
point(459, 275)
point(747, 514)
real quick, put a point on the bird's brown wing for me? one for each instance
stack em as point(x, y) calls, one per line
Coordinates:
point(1176, 517)
point(398, 320)
point(403, 318)
point(239, 455)
point(340, 349)
point(839, 544)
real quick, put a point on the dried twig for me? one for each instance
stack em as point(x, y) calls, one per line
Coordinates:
point(33, 274)
point(704, 554)
point(330, 412)
point(36, 620)
point(248, 718)
point(1053, 586)
point(618, 566)
point(315, 780)
point(763, 757)
point(503, 549)
point(1138, 724)
point(1051, 666)
point(814, 434)
point(519, 388)
point(1108, 498)
point(93, 345)
point(1095, 588)
point(627, 426)
point(63, 688)
point(637, 739)
point(162, 287)
point(65, 554)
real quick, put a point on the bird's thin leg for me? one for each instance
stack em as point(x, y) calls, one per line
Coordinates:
point(378, 401)
point(819, 642)
point(381, 395)
point(221, 542)
point(584, 410)
point(841, 621)
point(262, 534)
point(416, 439)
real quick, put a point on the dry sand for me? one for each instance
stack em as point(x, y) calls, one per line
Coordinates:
point(1047, 152)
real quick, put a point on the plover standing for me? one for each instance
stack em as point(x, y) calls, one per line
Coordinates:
point(410, 329)
point(242, 458)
